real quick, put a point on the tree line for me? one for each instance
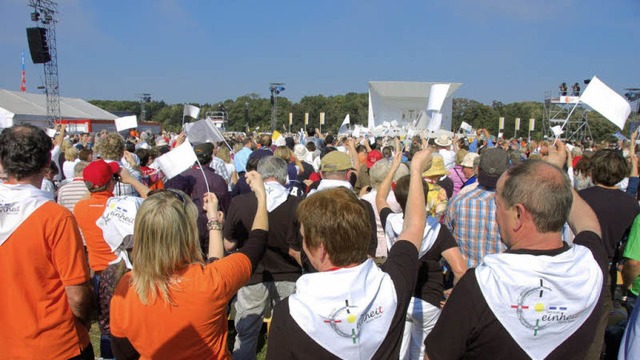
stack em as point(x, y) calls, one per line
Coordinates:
point(254, 113)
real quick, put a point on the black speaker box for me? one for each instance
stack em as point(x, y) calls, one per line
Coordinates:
point(38, 45)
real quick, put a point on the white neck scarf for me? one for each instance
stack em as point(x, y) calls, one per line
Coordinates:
point(351, 320)
point(330, 184)
point(541, 300)
point(117, 221)
point(393, 229)
point(276, 194)
point(17, 203)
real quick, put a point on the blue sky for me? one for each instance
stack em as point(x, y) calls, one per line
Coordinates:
point(209, 51)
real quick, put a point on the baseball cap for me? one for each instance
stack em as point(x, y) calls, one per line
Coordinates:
point(493, 162)
point(373, 157)
point(335, 161)
point(99, 172)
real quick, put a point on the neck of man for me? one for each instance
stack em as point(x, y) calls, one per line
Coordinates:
point(534, 240)
point(614, 187)
point(34, 180)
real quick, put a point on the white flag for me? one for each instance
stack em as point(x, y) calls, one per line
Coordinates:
point(290, 118)
point(356, 131)
point(517, 123)
point(501, 123)
point(51, 132)
point(532, 124)
point(202, 131)
point(321, 118)
point(306, 118)
point(437, 94)
point(466, 127)
point(127, 122)
point(177, 160)
point(345, 124)
point(607, 102)
point(394, 123)
point(192, 111)
point(557, 130)
point(500, 135)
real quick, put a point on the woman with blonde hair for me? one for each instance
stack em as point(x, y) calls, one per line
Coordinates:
point(70, 160)
point(173, 303)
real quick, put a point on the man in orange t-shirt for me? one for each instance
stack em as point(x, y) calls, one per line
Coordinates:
point(46, 298)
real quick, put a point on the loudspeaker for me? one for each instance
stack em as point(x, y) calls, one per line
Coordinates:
point(38, 45)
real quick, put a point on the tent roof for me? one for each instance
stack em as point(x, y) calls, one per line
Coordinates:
point(407, 89)
point(20, 103)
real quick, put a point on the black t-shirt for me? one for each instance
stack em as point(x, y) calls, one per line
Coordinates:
point(288, 341)
point(615, 210)
point(430, 282)
point(467, 328)
point(284, 234)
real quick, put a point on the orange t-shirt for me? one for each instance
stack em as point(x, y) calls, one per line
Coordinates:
point(42, 256)
point(196, 326)
point(87, 212)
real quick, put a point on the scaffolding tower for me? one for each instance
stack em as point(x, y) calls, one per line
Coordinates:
point(567, 111)
point(45, 12)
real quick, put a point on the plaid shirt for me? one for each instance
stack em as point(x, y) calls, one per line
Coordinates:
point(471, 217)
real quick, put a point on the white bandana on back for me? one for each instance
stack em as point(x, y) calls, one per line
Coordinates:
point(541, 300)
point(117, 222)
point(330, 184)
point(276, 194)
point(17, 203)
point(393, 229)
point(351, 323)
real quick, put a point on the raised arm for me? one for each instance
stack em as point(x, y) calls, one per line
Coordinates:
point(214, 224)
point(415, 214)
point(385, 186)
point(127, 178)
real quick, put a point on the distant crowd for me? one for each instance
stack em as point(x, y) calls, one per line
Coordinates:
point(442, 247)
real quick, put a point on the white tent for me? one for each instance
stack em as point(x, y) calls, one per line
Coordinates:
point(406, 102)
point(19, 108)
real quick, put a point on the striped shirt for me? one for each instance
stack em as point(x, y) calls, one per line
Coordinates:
point(71, 192)
point(471, 217)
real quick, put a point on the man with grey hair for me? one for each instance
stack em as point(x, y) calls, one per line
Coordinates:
point(542, 298)
point(70, 193)
point(274, 278)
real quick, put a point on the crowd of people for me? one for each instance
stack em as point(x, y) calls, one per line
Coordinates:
point(458, 246)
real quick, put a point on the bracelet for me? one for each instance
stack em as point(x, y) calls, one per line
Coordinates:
point(214, 224)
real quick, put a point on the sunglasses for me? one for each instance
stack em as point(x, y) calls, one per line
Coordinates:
point(177, 194)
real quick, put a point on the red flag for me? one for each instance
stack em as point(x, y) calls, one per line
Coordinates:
point(23, 83)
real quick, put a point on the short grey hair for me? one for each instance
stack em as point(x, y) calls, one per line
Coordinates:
point(379, 171)
point(79, 168)
point(273, 167)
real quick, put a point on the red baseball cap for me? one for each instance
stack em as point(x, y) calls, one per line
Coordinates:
point(99, 172)
point(373, 157)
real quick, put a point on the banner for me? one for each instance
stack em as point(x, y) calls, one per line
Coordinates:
point(127, 122)
point(437, 95)
point(466, 127)
point(290, 118)
point(321, 118)
point(532, 124)
point(306, 118)
point(517, 123)
point(607, 102)
point(192, 111)
point(501, 123)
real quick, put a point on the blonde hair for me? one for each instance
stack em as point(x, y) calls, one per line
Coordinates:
point(111, 147)
point(283, 153)
point(71, 154)
point(165, 242)
point(224, 154)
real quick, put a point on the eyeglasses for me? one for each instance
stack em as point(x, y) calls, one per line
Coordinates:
point(177, 194)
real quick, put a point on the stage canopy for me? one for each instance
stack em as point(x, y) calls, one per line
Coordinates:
point(406, 103)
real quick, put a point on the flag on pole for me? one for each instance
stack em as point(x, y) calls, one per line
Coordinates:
point(466, 127)
point(192, 111)
point(437, 95)
point(501, 123)
point(306, 118)
point(557, 130)
point(177, 160)
point(290, 118)
point(517, 123)
point(607, 102)
point(532, 124)
point(23, 82)
point(344, 126)
point(321, 118)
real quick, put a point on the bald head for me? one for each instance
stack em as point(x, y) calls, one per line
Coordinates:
point(543, 189)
